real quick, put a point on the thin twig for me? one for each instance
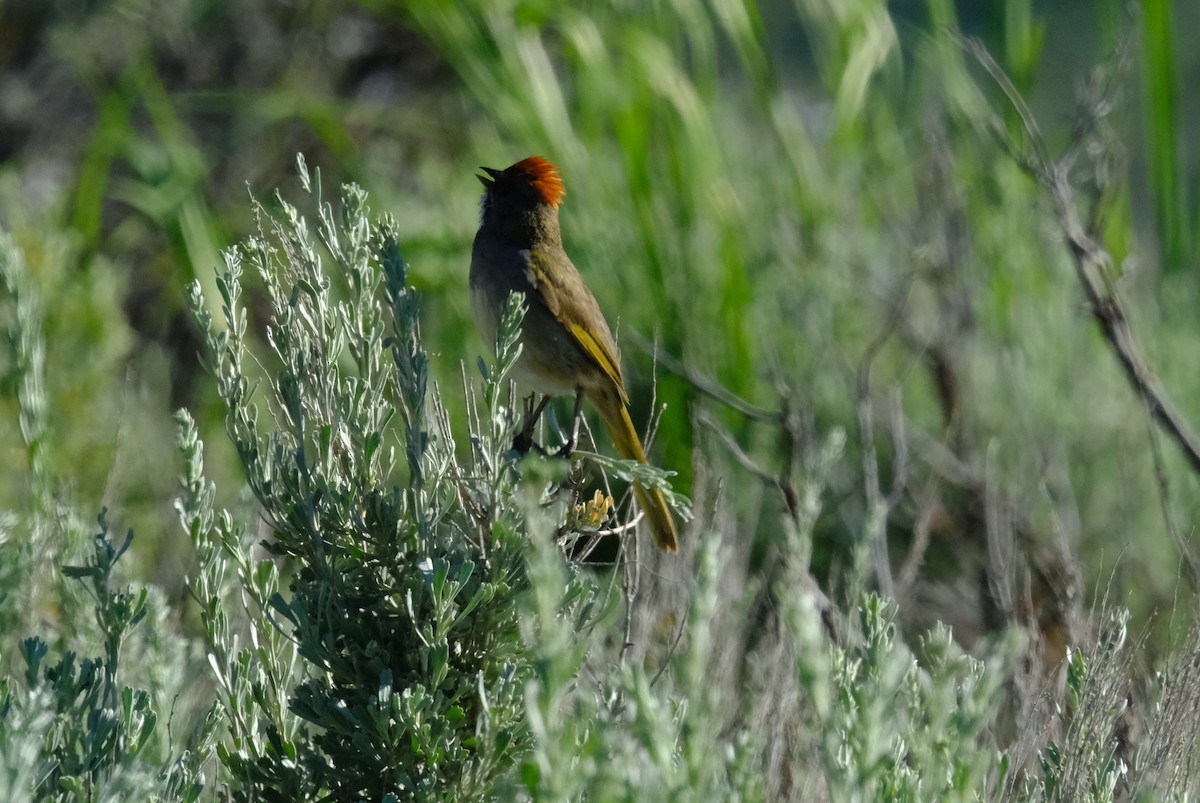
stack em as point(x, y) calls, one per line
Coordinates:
point(706, 385)
point(878, 508)
point(1163, 486)
point(922, 530)
point(671, 650)
point(735, 448)
point(1093, 265)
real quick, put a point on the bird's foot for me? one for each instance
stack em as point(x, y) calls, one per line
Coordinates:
point(523, 443)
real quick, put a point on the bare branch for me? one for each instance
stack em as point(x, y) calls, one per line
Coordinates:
point(1093, 263)
point(705, 384)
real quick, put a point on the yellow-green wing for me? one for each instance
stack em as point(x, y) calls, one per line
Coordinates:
point(570, 300)
point(595, 348)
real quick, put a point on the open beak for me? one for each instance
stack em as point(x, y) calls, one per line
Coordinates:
point(492, 175)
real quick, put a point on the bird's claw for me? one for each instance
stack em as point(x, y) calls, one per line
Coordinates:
point(523, 443)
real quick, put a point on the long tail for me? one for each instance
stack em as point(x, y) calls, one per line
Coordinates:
point(629, 446)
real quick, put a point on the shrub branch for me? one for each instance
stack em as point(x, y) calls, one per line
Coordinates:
point(1093, 263)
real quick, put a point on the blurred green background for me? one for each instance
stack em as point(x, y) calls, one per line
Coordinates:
point(779, 195)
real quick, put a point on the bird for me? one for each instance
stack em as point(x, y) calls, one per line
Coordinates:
point(567, 348)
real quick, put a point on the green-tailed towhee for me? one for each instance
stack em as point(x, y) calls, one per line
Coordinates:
point(567, 348)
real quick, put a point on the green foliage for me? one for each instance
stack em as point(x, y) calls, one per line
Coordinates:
point(412, 630)
point(382, 608)
point(24, 347)
point(25, 369)
point(1176, 210)
point(437, 644)
point(778, 244)
point(897, 730)
point(401, 668)
point(860, 720)
point(72, 730)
